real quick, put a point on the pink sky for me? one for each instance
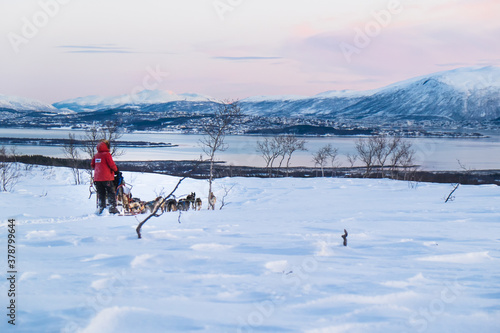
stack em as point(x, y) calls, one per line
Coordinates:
point(58, 49)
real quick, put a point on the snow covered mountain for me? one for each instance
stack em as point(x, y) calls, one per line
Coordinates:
point(23, 104)
point(143, 98)
point(471, 93)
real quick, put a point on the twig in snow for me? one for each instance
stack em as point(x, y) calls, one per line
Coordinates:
point(450, 197)
point(344, 236)
point(226, 192)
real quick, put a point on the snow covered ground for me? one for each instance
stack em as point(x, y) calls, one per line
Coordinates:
point(271, 260)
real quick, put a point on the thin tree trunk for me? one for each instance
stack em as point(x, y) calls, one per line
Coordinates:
point(210, 179)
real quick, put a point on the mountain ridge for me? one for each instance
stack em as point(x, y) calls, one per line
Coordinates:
point(24, 104)
point(462, 94)
point(471, 93)
point(142, 98)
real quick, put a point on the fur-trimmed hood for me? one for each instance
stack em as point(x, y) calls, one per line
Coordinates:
point(102, 147)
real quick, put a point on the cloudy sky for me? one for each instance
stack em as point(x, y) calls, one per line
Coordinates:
point(53, 50)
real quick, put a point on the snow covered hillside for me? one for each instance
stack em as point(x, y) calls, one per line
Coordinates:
point(271, 260)
point(142, 98)
point(24, 104)
point(462, 94)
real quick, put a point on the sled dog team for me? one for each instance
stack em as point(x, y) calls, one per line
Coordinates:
point(136, 206)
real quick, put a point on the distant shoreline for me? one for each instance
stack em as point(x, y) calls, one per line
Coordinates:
point(310, 131)
point(200, 170)
point(79, 143)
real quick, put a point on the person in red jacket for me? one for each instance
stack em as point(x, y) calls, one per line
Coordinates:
point(104, 175)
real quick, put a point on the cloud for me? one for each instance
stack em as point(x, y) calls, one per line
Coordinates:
point(246, 58)
point(453, 64)
point(398, 51)
point(95, 49)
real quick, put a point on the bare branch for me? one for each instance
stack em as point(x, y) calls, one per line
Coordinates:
point(450, 196)
point(163, 200)
point(155, 211)
point(226, 192)
point(351, 159)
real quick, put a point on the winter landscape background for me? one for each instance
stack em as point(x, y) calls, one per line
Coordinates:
point(420, 256)
point(272, 259)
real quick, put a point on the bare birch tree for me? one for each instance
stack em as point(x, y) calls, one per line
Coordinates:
point(320, 158)
point(291, 144)
point(214, 131)
point(111, 131)
point(280, 147)
point(407, 159)
point(269, 150)
point(91, 138)
point(366, 154)
point(383, 148)
point(332, 154)
point(93, 135)
point(9, 170)
point(351, 158)
point(71, 152)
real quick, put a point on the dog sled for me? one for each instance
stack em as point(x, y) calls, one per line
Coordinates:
point(123, 192)
point(128, 205)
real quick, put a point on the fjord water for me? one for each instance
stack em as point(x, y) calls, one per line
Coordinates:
point(431, 153)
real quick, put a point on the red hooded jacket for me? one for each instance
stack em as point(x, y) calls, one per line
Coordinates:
point(103, 164)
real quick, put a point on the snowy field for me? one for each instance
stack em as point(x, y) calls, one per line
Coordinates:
point(271, 260)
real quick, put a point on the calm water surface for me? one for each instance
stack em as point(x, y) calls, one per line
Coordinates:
point(431, 153)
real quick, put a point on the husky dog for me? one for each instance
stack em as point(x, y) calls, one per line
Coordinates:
point(153, 205)
point(169, 205)
point(137, 206)
point(197, 204)
point(191, 198)
point(211, 201)
point(183, 205)
point(124, 197)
